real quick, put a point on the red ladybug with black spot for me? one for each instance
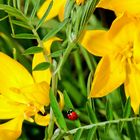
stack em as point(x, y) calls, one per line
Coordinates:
point(72, 115)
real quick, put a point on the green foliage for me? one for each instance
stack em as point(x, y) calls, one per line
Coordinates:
point(42, 66)
point(55, 30)
point(24, 36)
point(57, 113)
point(33, 50)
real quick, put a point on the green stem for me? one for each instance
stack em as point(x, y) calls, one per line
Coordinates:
point(38, 38)
point(64, 58)
point(102, 124)
point(51, 125)
point(54, 89)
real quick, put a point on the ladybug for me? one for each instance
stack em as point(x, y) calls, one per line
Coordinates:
point(72, 115)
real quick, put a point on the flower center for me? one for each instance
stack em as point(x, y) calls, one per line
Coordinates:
point(30, 111)
point(127, 51)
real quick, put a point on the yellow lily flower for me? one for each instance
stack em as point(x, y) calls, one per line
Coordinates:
point(20, 95)
point(57, 8)
point(131, 7)
point(23, 96)
point(120, 63)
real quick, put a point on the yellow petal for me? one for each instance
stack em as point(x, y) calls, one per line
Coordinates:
point(12, 73)
point(47, 44)
point(43, 75)
point(54, 11)
point(132, 86)
point(38, 93)
point(136, 47)
point(131, 7)
point(9, 109)
point(120, 27)
point(109, 74)
point(15, 95)
point(96, 42)
point(61, 102)
point(42, 120)
point(61, 13)
point(11, 130)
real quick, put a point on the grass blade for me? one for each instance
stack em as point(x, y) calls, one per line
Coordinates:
point(34, 10)
point(57, 112)
point(26, 6)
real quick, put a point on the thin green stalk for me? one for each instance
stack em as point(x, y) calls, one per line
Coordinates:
point(80, 73)
point(87, 58)
point(40, 42)
point(65, 56)
point(54, 89)
point(103, 124)
point(14, 54)
point(38, 38)
point(14, 3)
point(51, 125)
point(12, 28)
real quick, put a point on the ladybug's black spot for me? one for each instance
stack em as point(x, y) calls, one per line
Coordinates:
point(69, 111)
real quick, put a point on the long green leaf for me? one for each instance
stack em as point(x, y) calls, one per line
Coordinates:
point(14, 12)
point(26, 6)
point(24, 36)
point(18, 4)
point(91, 114)
point(55, 30)
point(127, 109)
point(33, 50)
point(57, 112)
point(67, 101)
point(41, 21)
point(22, 24)
point(126, 113)
point(34, 9)
point(109, 112)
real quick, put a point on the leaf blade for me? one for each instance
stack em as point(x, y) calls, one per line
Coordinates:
point(42, 66)
point(33, 50)
point(55, 30)
point(57, 113)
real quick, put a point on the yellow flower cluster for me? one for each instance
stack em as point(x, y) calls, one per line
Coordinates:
point(23, 96)
point(119, 48)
